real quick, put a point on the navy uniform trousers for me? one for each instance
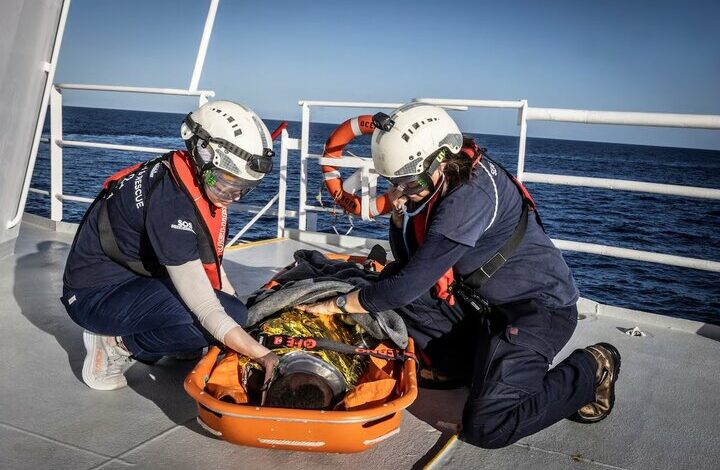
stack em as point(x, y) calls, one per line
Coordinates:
point(148, 314)
point(513, 393)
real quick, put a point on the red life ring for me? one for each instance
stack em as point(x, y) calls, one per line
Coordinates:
point(334, 146)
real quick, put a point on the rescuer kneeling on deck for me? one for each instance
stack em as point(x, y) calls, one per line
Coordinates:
point(474, 266)
point(144, 275)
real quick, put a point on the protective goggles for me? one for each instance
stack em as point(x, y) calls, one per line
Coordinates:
point(226, 187)
point(413, 184)
point(259, 163)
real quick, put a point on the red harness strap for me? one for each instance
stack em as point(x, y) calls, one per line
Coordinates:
point(213, 220)
point(421, 220)
point(420, 226)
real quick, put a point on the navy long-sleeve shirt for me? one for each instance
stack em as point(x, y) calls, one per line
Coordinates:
point(467, 227)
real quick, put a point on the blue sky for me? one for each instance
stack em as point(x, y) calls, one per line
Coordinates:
point(655, 56)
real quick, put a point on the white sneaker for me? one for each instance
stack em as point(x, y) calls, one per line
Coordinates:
point(105, 362)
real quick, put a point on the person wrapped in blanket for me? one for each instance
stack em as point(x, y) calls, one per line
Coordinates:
point(326, 362)
point(315, 379)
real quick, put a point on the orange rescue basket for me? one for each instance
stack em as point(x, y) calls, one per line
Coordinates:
point(296, 429)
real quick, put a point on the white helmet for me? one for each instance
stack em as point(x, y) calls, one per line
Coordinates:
point(401, 143)
point(228, 136)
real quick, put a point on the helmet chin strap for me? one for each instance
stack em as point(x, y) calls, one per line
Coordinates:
point(191, 145)
point(201, 166)
point(430, 171)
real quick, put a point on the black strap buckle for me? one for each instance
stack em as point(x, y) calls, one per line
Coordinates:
point(470, 297)
point(493, 264)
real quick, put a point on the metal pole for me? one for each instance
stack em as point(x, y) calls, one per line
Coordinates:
point(349, 104)
point(204, 41)
point(99, 145)
point(282, 177)
point(304, 145)
point(253, 220)
point(56, 155)
point(460, 104)
point(50, 69)
point(134, 89)
point(624, 118)
point(365, 192)
point(202, 99)
point(523, 138)
point(624, 185)
point(638, 255)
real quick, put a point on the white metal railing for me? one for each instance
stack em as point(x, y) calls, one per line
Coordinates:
point(204, 42)
point(138, 89)
point(57, 143)
point(307, 213)
point(624, 118)
point(364, 165)
point(525, 113)
point(55, 97)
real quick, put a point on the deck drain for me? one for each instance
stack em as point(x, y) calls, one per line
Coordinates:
point(635, 332)
point(581, 316)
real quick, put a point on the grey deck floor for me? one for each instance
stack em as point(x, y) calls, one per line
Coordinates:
point(666, 416)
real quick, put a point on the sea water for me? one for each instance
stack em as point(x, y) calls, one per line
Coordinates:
point(651, 222)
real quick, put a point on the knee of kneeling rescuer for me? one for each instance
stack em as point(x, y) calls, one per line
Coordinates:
point(486, 437)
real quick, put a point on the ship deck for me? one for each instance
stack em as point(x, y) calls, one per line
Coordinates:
point(666, 414)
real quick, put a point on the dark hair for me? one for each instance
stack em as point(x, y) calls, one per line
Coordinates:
point(458, 167)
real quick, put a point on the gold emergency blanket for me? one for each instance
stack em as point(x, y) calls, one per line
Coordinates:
point(293, 322)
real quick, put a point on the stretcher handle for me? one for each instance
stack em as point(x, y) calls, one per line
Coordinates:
point(206, 364)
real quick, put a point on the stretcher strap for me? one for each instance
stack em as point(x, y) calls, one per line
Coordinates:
point(313, 344)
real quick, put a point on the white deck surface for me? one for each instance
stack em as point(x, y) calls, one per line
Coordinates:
point(667, 413)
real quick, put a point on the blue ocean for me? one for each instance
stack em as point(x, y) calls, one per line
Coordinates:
point(665, 224)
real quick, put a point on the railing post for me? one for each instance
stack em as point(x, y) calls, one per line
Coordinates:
point(365, 193)
point(304, 145)
point(56, 155)
point(522, 118)
point(282, 180)
point(204, 41)
point(247, 226)
point(311, 222)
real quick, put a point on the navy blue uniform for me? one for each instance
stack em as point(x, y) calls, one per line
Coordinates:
point(532, 296)
point(161, 230)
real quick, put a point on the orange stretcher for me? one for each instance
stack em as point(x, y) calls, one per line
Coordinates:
point(296, 429)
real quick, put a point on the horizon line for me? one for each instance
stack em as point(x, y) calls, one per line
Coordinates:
point(471, 132)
